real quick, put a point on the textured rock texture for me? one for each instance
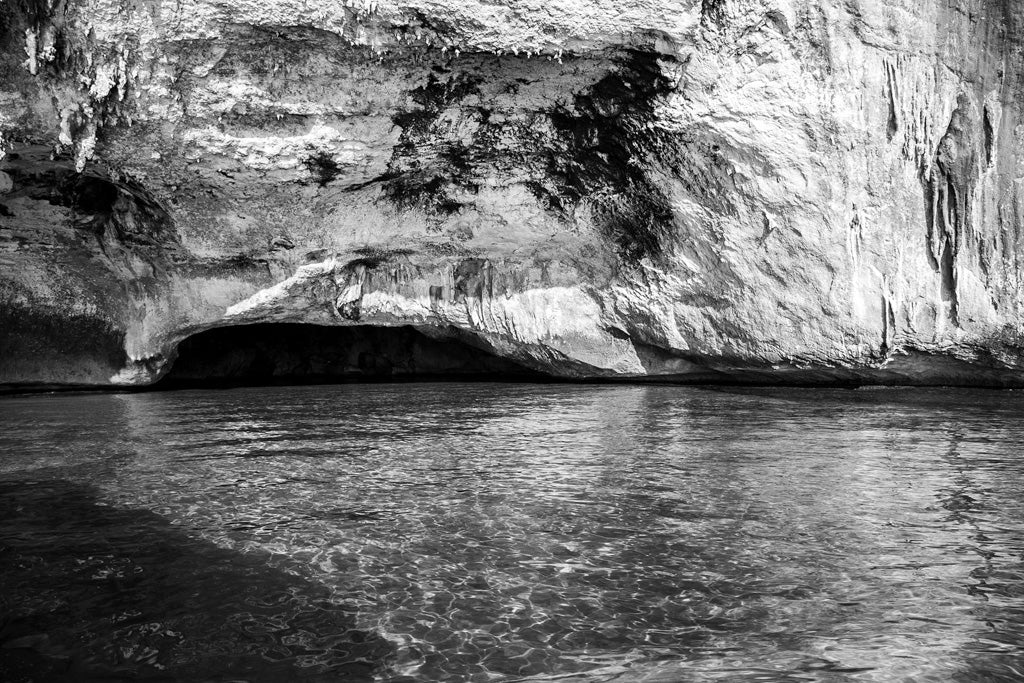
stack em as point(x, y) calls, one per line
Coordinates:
point(705, 190)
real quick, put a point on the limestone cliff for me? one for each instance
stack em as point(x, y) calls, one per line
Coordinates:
point(746, 190)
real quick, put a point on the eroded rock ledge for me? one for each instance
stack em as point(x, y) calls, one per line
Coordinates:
point(727, 190)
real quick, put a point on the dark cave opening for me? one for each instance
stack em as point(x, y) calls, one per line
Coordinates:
point(296, 353)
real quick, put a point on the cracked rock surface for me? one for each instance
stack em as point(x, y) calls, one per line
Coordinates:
point(694, 190)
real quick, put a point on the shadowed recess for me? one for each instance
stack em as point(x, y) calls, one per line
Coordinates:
point(293, 353)
point(34, 339)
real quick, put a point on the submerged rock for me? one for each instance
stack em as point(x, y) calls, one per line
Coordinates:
point(727, 190)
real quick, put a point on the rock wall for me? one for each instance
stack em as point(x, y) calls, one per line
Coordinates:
point(712, 190)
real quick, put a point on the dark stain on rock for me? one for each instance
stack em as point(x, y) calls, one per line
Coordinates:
point(604, 153)
point(424, 165)
point(601, 150)
point(322, 166)
point(712, 12)
point(472, 279)
point(436, 294)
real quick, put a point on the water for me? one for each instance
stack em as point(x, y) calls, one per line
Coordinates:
point(485, 532)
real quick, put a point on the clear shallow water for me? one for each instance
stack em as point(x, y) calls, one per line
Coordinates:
point(485, 532)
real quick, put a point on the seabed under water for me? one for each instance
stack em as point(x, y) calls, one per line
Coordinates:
point(512, 532)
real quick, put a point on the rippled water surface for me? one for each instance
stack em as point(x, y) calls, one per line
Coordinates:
point(487, 532)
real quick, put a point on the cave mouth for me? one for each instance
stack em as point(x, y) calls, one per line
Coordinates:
point(269, 354)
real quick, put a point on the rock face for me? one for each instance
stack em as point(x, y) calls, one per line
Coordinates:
point(703, 190)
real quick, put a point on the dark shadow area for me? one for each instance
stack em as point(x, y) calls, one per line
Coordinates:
point(91, 592)
point(286, 353)
point(36, 340)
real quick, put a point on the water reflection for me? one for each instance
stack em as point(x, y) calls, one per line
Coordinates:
point(496, 532)
point(998, 578)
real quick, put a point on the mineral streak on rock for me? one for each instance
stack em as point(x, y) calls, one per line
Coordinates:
point(702, 190)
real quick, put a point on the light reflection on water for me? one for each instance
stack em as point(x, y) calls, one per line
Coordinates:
point(505, 532)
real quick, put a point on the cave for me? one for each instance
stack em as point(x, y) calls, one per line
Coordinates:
point(297, 353)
